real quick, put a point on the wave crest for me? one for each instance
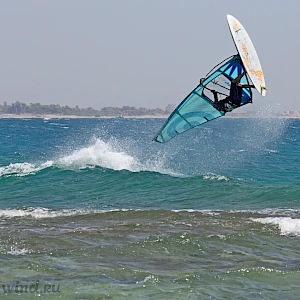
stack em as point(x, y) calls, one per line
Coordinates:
point(23, 169)
point(109, 155)
point(99, 154)
point(287, 225)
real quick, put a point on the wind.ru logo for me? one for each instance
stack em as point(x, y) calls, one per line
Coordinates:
point(34, 288)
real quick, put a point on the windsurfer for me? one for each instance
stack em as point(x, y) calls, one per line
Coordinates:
point(235, 95)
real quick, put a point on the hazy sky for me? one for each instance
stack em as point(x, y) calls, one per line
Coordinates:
point(139, 53)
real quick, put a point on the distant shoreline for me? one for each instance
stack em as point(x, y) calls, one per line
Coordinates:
point(46, 116)
point(49, 116)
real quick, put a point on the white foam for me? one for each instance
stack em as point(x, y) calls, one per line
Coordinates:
point(272, 151)
point(37, 213)
point(268, 211)
point(23, 169)
point(211, 176)
point(287, 225)
point(98, 154)
point(43, 213)
point(112, 155)
point(115, 155)
point(203, 211)
point(17, 251)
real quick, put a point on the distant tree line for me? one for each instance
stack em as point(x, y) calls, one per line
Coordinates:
point(19, 108)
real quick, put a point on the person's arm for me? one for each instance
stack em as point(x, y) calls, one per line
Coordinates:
point(237, 79)
point(243, 85)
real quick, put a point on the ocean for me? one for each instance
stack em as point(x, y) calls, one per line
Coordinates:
point(94, 209)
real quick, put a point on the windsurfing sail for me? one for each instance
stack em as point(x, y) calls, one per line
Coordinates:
point(199, 106)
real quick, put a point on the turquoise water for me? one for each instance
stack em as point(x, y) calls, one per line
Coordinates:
point(93, 209)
